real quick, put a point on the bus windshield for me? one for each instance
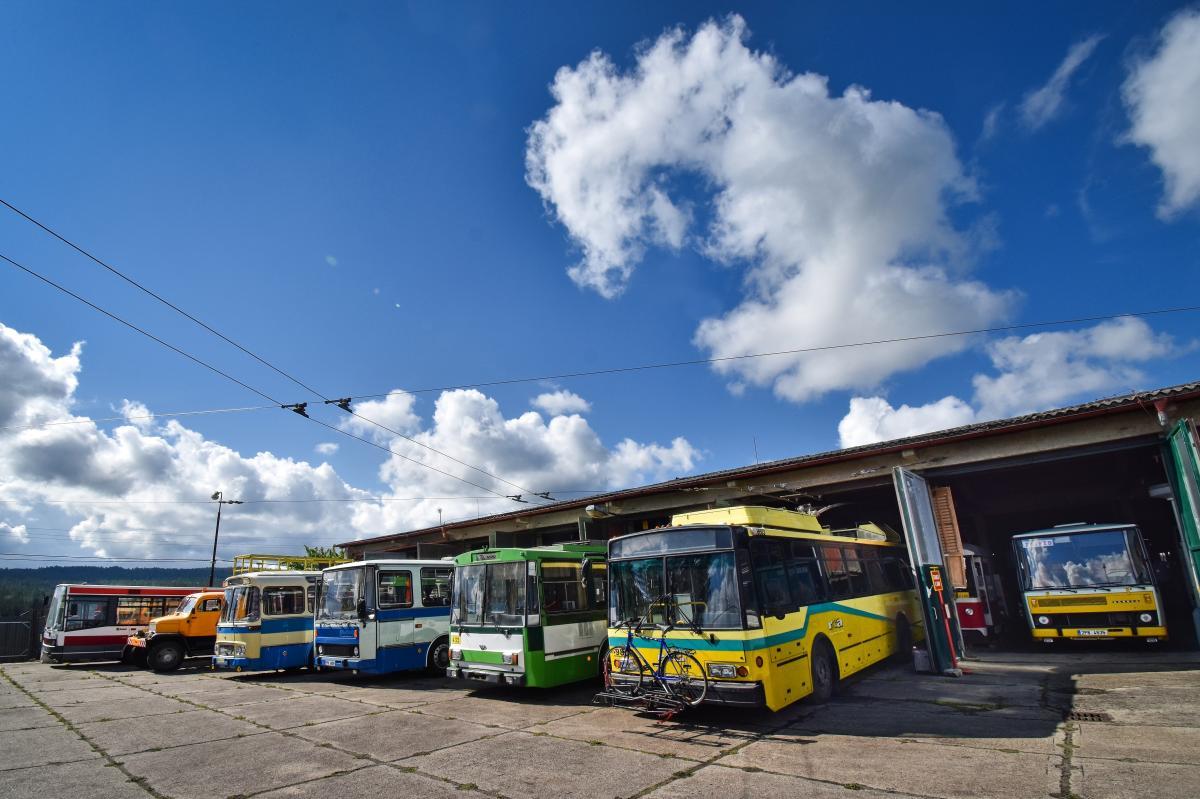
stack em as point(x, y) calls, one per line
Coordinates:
point(491, 594)
point(54, 612)
point(702, 588)
point(341, 590)
point(1081, 560)
point(241, 604)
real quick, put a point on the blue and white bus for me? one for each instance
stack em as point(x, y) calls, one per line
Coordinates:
point(383, 616)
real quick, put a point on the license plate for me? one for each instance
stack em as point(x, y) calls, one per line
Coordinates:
point(1092, 633)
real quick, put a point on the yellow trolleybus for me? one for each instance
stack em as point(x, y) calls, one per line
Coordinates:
point(772, 605)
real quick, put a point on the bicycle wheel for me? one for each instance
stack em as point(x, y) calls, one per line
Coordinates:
point(624, 671)
point(684, 677)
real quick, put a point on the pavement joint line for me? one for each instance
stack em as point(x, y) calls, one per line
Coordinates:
point(111, 761)
point(1068, 753)
point(288, 732)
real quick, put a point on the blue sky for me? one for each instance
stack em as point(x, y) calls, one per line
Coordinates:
point(345, 192)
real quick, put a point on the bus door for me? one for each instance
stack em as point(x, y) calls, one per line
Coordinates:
point(925, 551)
point(394, 613)
point(1184, 450)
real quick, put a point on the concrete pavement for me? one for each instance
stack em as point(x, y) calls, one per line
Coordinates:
point(1005, 729)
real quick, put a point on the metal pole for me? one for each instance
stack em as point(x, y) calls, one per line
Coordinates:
point(212, 570)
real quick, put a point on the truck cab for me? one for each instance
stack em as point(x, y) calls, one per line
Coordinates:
point(190, 631)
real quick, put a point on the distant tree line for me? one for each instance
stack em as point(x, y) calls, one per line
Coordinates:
point(20, 588)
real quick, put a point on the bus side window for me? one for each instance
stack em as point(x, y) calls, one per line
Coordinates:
point(310, 598)
point(808, 586)
point(770, 576)
point(835, 567)
point(599, 597)
point(562, 588)
point(854, 570)
point(285, 600)
point(84, 614)
point(435, 587)
point(876, 582)
point(395, 589)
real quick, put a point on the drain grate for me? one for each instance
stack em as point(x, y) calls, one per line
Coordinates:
point(1080, 715)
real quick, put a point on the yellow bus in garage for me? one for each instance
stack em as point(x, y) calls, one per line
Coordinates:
point(1088, 581)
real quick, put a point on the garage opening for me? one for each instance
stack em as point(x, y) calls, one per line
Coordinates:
point(1126, 486)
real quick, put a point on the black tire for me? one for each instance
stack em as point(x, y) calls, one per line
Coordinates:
point(438, 657)
point(903, 652)
point(685, 676)
point(631, 670)
point(824, 672)
point(602, 658)
point(166, 656)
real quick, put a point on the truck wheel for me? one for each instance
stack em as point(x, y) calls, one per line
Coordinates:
point(166, 656)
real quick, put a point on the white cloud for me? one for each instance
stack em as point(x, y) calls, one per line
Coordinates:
point(1163, 97)
point(119, 490)
point(991, 122)
point(836, 205)
point(1042, 370)
point(1034, 373)
point(564, 453)
point(394, 411)
point(558, 403)
point(329, 259)
point(873, 419)
point(15, 531)
point(136, 414)
point(326, 448)
point(1042, 105)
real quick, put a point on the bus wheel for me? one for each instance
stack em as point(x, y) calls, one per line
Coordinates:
point(439, 655)
point(600, 663)
point(166, 656)
point(903, 641)
point(824, 672)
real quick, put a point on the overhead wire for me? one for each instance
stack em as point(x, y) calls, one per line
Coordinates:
point(298, 407)
point(344, 406)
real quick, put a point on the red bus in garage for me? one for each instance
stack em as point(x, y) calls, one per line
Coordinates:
point(92, 622)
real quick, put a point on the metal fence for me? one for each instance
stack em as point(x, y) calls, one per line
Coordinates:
point(20, 636)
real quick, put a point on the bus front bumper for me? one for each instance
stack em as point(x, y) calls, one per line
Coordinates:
point(1100, 632)
point(473, 673)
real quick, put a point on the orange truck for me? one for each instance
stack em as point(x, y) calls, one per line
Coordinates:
point(189, 631)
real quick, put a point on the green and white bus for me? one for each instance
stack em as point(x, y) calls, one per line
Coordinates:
point(529, 616)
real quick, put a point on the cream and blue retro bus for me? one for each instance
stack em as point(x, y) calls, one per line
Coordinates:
point(267, 621)
point(384, 616)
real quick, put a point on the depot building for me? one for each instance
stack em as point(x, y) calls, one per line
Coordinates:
point(970, 496)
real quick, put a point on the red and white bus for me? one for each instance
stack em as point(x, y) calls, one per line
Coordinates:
point(92, 622)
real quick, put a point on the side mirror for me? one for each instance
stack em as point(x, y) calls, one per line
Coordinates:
point(362, 610)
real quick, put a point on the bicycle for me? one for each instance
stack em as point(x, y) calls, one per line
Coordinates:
point(677, 681)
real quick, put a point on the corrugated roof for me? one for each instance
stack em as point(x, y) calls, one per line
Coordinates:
point(1057, 415)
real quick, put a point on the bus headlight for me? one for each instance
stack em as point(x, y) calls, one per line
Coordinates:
point(320, 650)
point(510, 658)
point(355, 651)
point(455, 653)
point(722, 670)
point(1043, 620)
point(1146, 618)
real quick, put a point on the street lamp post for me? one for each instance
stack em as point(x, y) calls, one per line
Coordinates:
point(217, 497)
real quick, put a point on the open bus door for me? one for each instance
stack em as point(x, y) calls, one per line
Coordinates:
point(1185, 479)
point(933, 585)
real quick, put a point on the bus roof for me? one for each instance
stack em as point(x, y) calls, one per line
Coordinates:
point(571, 550)
point(132, 590)
point(1076, 527)
point(388, 562)
point(271, 578)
